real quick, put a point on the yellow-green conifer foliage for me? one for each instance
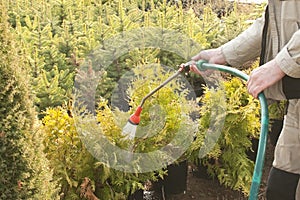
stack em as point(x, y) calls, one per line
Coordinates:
point(238, 120)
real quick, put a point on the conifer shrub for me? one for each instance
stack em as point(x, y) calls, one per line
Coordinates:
point(71, 152)
point(230, 110)
point(24, 168)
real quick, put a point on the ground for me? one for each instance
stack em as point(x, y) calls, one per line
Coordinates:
point(200, 188)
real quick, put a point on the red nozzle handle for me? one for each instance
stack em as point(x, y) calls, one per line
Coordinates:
point(135, 118)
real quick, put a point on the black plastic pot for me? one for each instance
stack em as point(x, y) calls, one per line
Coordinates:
point(174, 183)
point(201, 172)
point(176, 180)
point(137, 195)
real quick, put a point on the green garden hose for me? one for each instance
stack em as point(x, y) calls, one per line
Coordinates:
point(257, 174)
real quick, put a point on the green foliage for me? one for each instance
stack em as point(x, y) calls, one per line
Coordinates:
point(56, 36)
point(71, 161)
point(228, 160)
point(12, 124)
point(237, 20)
point(163, 117)
point(43, 184)
point(163, 113)
point(24, 169)
point(53, 88)
point(277, 109)
point(68, 158)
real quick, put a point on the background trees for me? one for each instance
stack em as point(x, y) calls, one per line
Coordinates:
point(43, 46)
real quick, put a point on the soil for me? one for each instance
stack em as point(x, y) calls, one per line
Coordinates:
point(209, 189)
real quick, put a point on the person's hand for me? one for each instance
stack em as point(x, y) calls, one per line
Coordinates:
point(263, 77)
point(213, 56)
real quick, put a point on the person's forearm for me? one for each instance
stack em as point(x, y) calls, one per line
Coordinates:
point(289, 57)
point(246, 46)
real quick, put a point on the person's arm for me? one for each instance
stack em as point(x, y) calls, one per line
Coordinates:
point(288, 58)
point(239, 50)
point(286, 62)
point(246, 46)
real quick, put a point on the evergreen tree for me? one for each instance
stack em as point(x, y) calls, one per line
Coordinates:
point(24, 172)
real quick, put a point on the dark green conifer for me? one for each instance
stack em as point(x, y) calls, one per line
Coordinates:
point(24, 172)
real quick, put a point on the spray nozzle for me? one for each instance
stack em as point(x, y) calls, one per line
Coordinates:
point(135, 117)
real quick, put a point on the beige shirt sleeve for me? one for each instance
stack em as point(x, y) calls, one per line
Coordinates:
point(246, 46)
point(289, 57)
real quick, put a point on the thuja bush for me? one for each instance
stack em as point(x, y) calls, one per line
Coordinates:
point(230, 110)
point(165, 119)
point(165, 113)
point(68, 158)
point(164, 116)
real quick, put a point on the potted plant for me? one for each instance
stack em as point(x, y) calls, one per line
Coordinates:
point(165, 124)
point(230, 110)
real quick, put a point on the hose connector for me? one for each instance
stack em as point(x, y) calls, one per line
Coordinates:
point(200, 66)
